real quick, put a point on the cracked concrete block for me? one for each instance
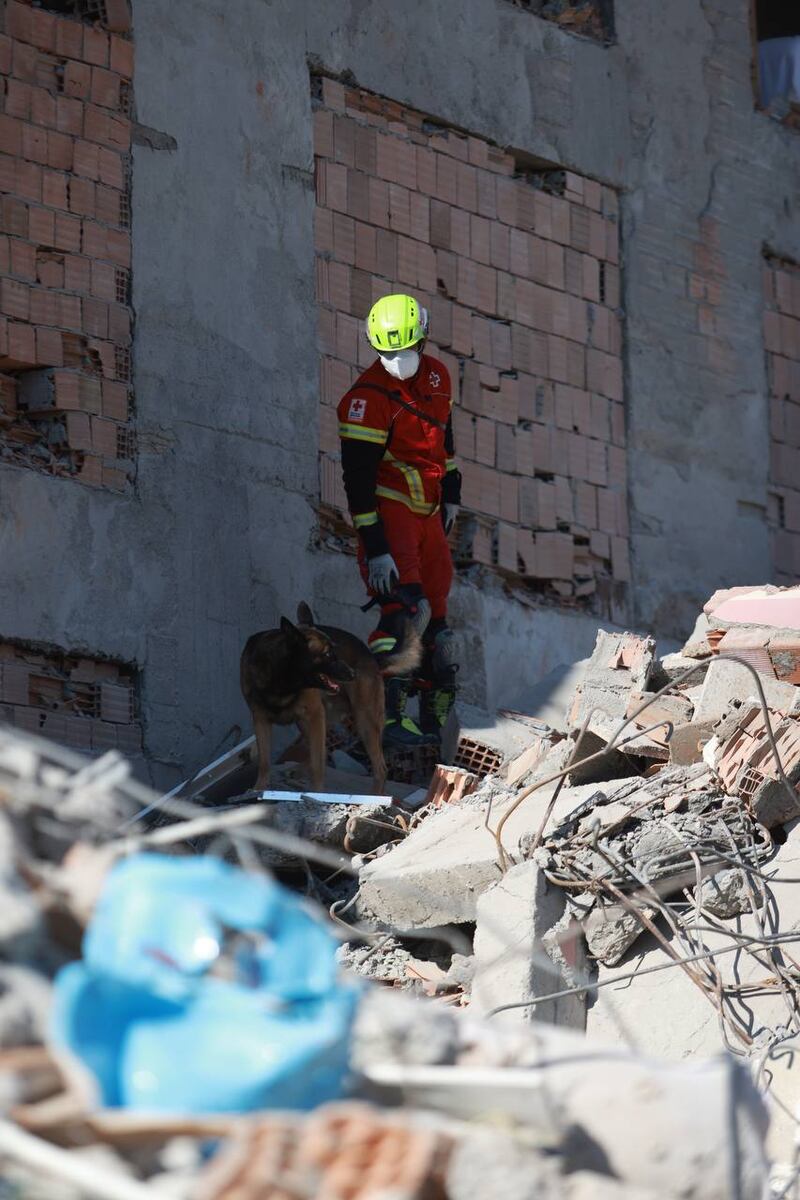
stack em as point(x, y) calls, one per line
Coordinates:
point(436, 874)
point(611, 930)
point(727, 681)
point(667, 1014)
point(687, 741)
point(512, 960)
point(621, 663)
point(726, 895)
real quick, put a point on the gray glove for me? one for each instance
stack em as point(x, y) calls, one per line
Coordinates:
point(450, 513)
point(382, 574)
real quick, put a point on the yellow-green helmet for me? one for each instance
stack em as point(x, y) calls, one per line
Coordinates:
point(396, 322)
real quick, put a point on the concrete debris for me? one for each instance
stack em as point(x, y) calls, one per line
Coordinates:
point(524, 929)
point(620, 664)
point(511, 962)
point(611, 930)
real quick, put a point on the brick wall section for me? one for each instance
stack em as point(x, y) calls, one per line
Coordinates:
point(65, 245)
point(523, 289)
point(81, 702)
point(782, 343)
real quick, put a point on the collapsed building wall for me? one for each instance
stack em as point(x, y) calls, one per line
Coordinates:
point(219, 533)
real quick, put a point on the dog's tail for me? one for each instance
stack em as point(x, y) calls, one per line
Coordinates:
point(408, 655)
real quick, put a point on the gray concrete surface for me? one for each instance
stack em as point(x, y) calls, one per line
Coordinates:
point(219, 538)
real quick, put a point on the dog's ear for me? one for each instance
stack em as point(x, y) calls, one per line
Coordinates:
point(290, 629)
point(304, 614)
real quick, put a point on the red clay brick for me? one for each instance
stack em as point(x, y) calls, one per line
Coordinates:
point(50, 270)
point(108, 206)
point(43, 107)
point(13, 216)
point(22, 256)
point(25, 62)
point(95, 317)
point(399, 209)
point(77, 80)
point(344, 140)
point(15, 299)
point(18, 99)
point(104, 437)
point(118, 16)
point(43, 29)
point(119, 247)
point(21, 345)
point(119, 324)
point(86, 159)
point(115, 400)
point(54, 189)
point(11, 135)
point(82, 197)
point(79, 434)
point(41, 227)
point(49, 350)
point(419, 209)
point(103, 281)
point(34, 143)
point(5, 55)
point(480, 241)
point(70, 312)
point(67, 234)
point(19, 21)
point(499, 245)
point(59, 151)
point(111, 169)
point(121, 56)
point(45, 307)
point(95, 46)
point(69, 38)
point(69, 115)
point(426, 170)
point(105, 88)
point(28, 180)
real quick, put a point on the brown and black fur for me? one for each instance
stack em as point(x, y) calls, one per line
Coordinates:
point(307, 673)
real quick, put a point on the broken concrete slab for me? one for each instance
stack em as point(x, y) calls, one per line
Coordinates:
point(687, 742)
point(666, 1013)
point(512, 965)
point(435, 876)
point(674, 666)
point(667, 1127)
point(337, 825)
point(620, 664)
point(727, 681)
point(611, 930)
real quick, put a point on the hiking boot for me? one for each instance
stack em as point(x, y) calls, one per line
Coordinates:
point(435, 706)
point(400, 731)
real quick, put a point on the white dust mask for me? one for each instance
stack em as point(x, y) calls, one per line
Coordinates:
point(403, 364)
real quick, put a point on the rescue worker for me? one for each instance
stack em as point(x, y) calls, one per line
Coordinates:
point(403, 491)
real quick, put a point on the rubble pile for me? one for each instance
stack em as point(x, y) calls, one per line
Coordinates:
point(566, 969)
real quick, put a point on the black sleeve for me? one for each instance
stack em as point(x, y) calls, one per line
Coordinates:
point(360, 462)
point(449, 443)
point(451, 484)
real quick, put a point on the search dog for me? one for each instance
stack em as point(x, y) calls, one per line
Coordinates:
point(310, 674)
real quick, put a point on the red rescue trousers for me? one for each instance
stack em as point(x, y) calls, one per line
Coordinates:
point(420, 549)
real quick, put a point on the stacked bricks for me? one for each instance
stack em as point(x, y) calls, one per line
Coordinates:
point(782, 343)
point(65, 244)
point(521, 277)
point(85, 703)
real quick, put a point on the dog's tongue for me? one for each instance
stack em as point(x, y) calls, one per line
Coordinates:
point(330, 684)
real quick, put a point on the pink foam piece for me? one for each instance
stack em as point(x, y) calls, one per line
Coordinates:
point(781, 610)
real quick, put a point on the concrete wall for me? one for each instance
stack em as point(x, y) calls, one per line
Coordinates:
point(219, 538)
